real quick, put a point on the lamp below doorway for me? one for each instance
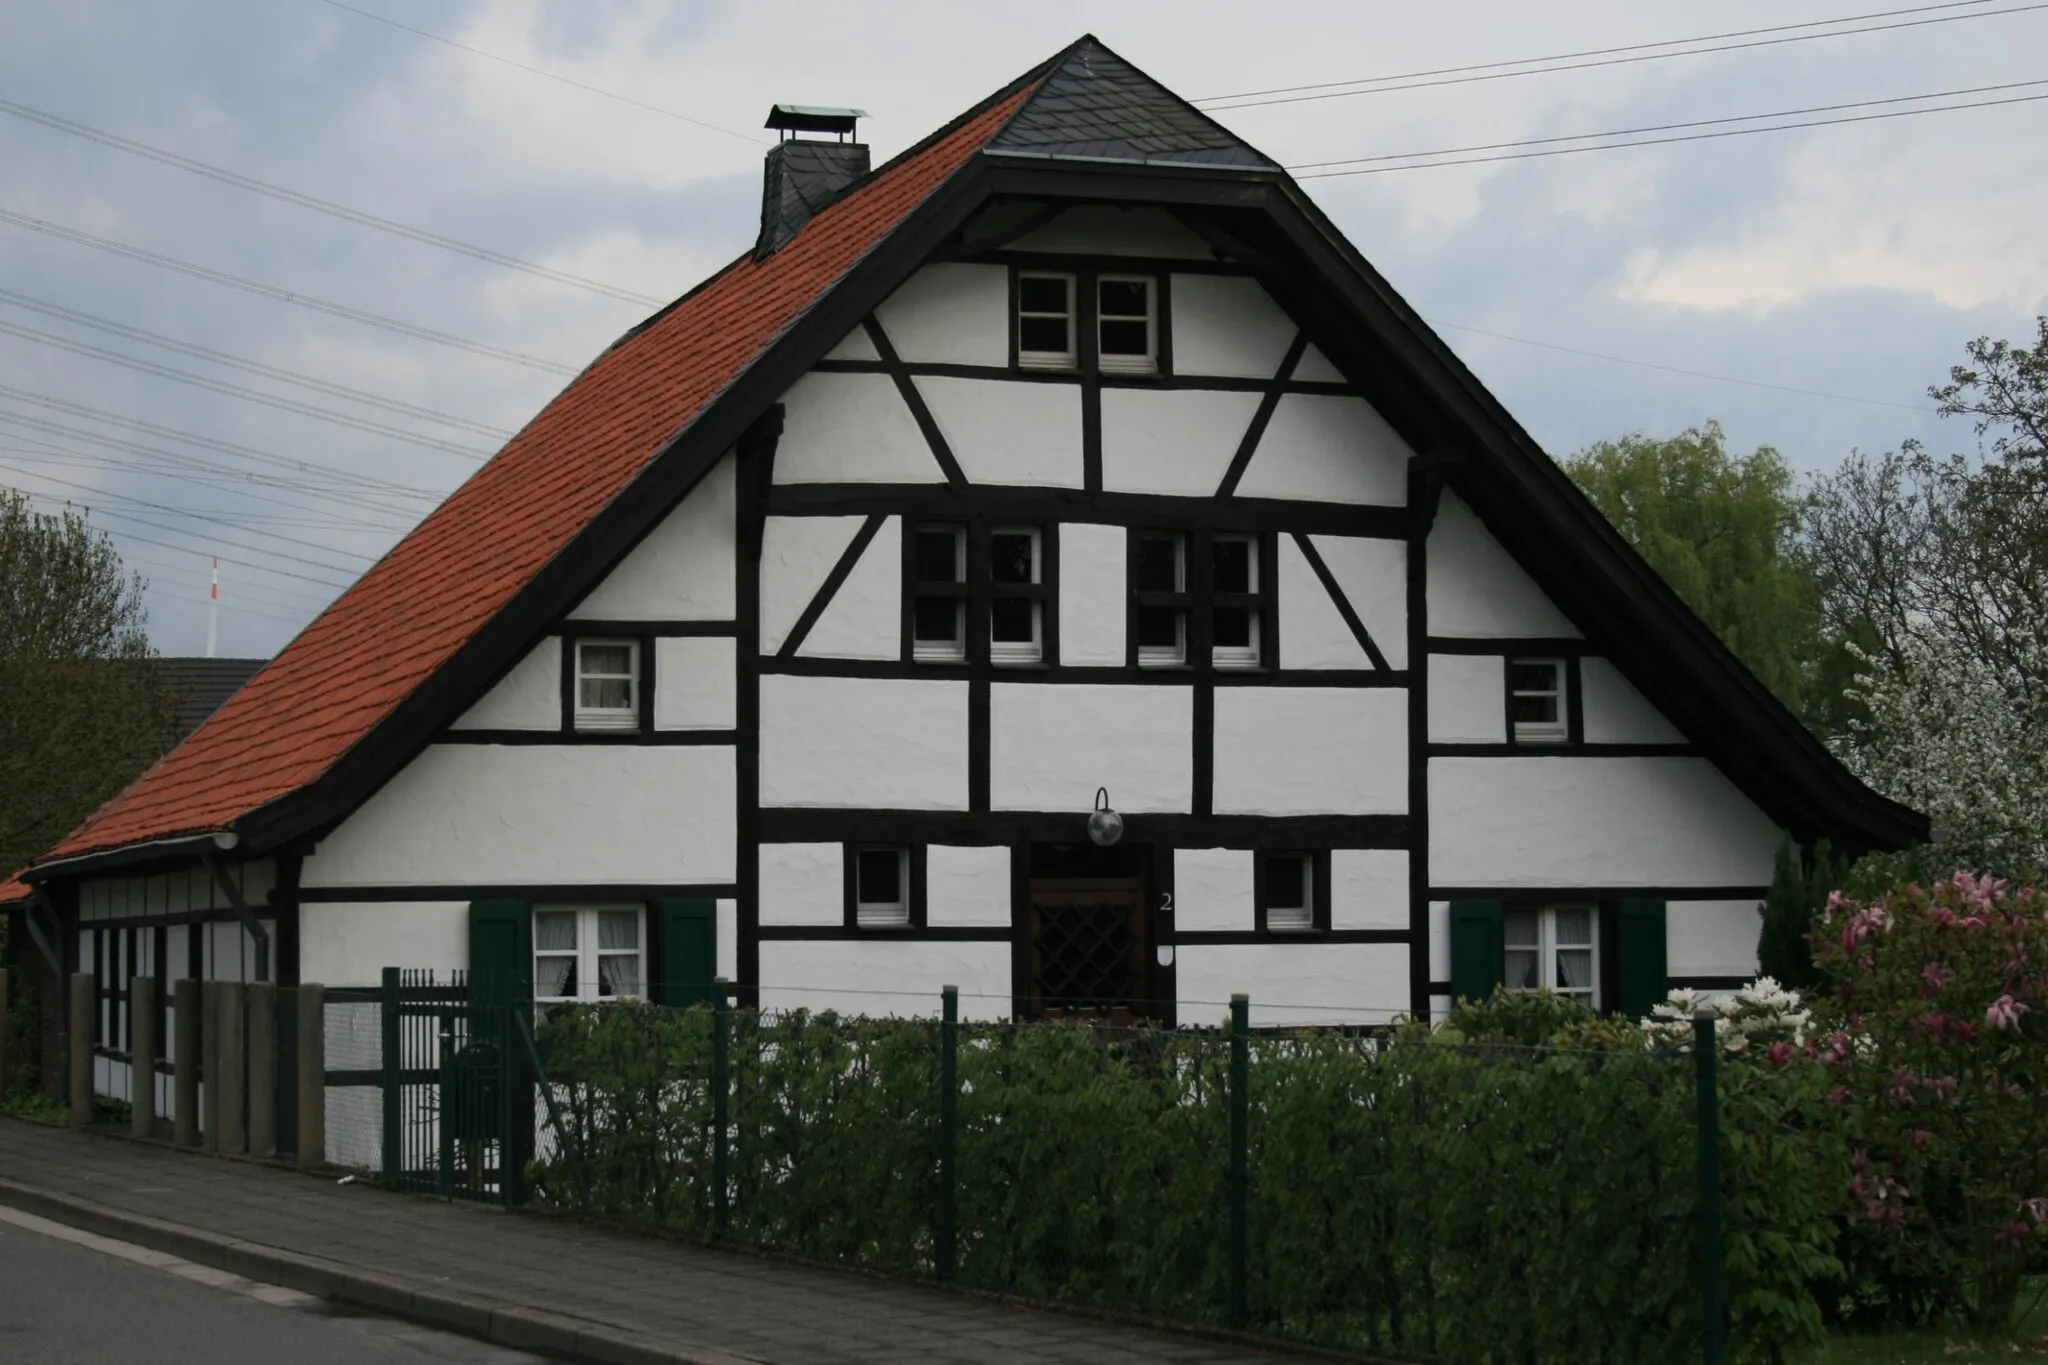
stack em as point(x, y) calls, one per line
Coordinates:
point(1105, 826)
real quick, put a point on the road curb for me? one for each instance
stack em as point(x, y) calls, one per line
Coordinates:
point(521, 1329)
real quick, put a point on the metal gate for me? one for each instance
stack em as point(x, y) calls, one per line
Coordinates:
point(457, 1090)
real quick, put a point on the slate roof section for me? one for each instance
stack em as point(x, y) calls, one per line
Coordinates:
point(1096, 106)
point(203, 686)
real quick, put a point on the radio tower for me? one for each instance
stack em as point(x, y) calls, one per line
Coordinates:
point(213, 609)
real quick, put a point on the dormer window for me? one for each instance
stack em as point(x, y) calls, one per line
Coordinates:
point(607, 685)
point(1126, 323)
point(1045, 322)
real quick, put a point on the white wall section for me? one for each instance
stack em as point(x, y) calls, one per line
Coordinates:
point(1374, 576)
point(803, 884)
point(883, 976)
point(1618, 714)
point(1212, 890)
point(684, 569)
point(1368, 888)
point(967, 885)
point(1311, 750)
point(1108, 230)
point(796, 554)
point(1174, 441)
point(485, 814)
point(1313, 633)
point(1711, 938)
point(855, 345)
point(951, 312)
point(1468, 699)
point(527, 698)
point(351, 944)
point(1439, 940)
point(851, 428)
point(1476, 589)
point(1009, 432)
point(1328, 449)
point(694, 682)
point(865, 743)
point(1293, 983)
point(1227, 325)
point(1593, 822)
point(1315, 368)
point(728, 946)
point(864, 619)
point(1093, 562)
point(1052, 745)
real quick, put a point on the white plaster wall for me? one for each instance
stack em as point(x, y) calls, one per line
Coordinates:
point(966, 885)
point(230, 950)
point(855, 345)
point(728, 945)
point(864, 619)
point(352, 944)
point(1440, 941)
point(1227, 325)
point(684, 569)
point(1711, 938)
point(1315, 368)
point(1105, 229)
point(951, 312)
point(1374, 576)
point(1294, 983)
point(1052, 745)
point(1593, 822)
point(1174, 441)
point(694, 682)
point(796, 554)
point(171, 893)
point(1368, 888)
point(803, 884)
point(1009, 432)
point(1212, 890)
point(1329, 449)
point(479, 814)
point(866, 743)
point(1476, 589)
point(1615, 712)
point(527, 698)
point(1312, 631)
point(881, 976)
point(1093, 562)
point(1468, 699)
point(851, 428)
point(1311, 750)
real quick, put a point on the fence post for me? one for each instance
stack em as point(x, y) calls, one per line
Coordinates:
point(1240, 1140)
point(312, 1143)
point(234, 1063)
point(721, 1089)
point(209, 1064)
point(1713, 1263)
point(185, 1032)
point(3, 1032)
point(84, 1003)
point(143, 1017)
point(945, 1239)
point(389, 1050)
point(262, 1038)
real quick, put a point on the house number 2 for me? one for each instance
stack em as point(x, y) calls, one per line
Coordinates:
point(1166, 902)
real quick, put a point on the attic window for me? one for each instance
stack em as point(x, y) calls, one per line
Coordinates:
point(1126, 334)
point(1045, 322)
point(607, 685)
point(1536, 700)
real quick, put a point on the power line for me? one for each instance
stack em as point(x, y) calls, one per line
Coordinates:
point(269, 400)
point(155, 573)
point(271, 291)
point(550, 75)
point(43, 452)
point(1603, 56)
point(122, 329)
point(187, 549)
point(60, 124)
point(1543, 150)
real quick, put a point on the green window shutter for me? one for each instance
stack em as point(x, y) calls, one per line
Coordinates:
point(500, 952)
point(689, 951)
point(1476, 949)
point(1639, 971)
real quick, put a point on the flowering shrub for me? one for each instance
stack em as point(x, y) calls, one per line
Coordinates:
point(1763, 1015)
point(1940, 1063)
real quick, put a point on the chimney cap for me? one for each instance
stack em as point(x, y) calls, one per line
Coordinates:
point(813, 118)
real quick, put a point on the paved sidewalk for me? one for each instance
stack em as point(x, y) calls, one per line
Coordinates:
point(556, 1287)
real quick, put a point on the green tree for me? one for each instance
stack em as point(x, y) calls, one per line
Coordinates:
point(1724, 531)
point(1800, 886)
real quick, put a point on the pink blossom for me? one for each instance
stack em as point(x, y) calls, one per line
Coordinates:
point(1920, 1137)
point(1965, 1029)
point(1901, 1090)
point(1859, 1161)
point(2037, 1209)
point(1889, 1217)
point(1935, 975)
point(1836, 900)
point(2005, 1012)
point(1779, 1053)
point(1936, 1024)
point(2012, 1232)
point(1944, 1087)
point(1838, 1094)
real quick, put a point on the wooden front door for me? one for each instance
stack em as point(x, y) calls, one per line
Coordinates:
point(1088, 948)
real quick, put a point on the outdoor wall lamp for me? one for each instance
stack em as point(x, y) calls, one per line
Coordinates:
point(1105, 826)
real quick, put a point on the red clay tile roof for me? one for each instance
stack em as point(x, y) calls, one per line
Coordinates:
point(14, 889)
point(418, 605)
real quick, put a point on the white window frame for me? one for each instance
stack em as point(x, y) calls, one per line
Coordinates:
point(609, 717)
point(883, 914)
point(1047, 360)
point(1147, 363)
point(588, 951)
point(1237, 656)
point(1548, 945)
point(1018, 653)
point(1540, 731)
point(1292, 919)
point(953, 651)
point(1175, 655)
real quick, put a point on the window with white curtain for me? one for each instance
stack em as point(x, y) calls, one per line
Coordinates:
point(1552, 948)
point(593, 952)
point(607, 685)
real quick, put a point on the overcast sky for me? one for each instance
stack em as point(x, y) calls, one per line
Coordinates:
point(1852, 261)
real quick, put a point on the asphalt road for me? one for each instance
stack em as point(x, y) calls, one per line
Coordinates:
point(69, 1298)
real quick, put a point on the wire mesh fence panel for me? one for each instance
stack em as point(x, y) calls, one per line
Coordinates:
point(355, 1066)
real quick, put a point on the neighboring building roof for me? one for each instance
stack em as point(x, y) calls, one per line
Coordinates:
point(204, 685)
point(1095, 106)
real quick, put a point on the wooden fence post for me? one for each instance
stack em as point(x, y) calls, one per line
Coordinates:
point(185, 1036)
point(143, 1019)
point(209, 1064)
point(312, 1153)
point(234, 1060)
point(84, 1001)
point(3, 1031)
point(262, 1037)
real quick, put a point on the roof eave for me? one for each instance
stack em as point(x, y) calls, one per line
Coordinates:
point(128, 855)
